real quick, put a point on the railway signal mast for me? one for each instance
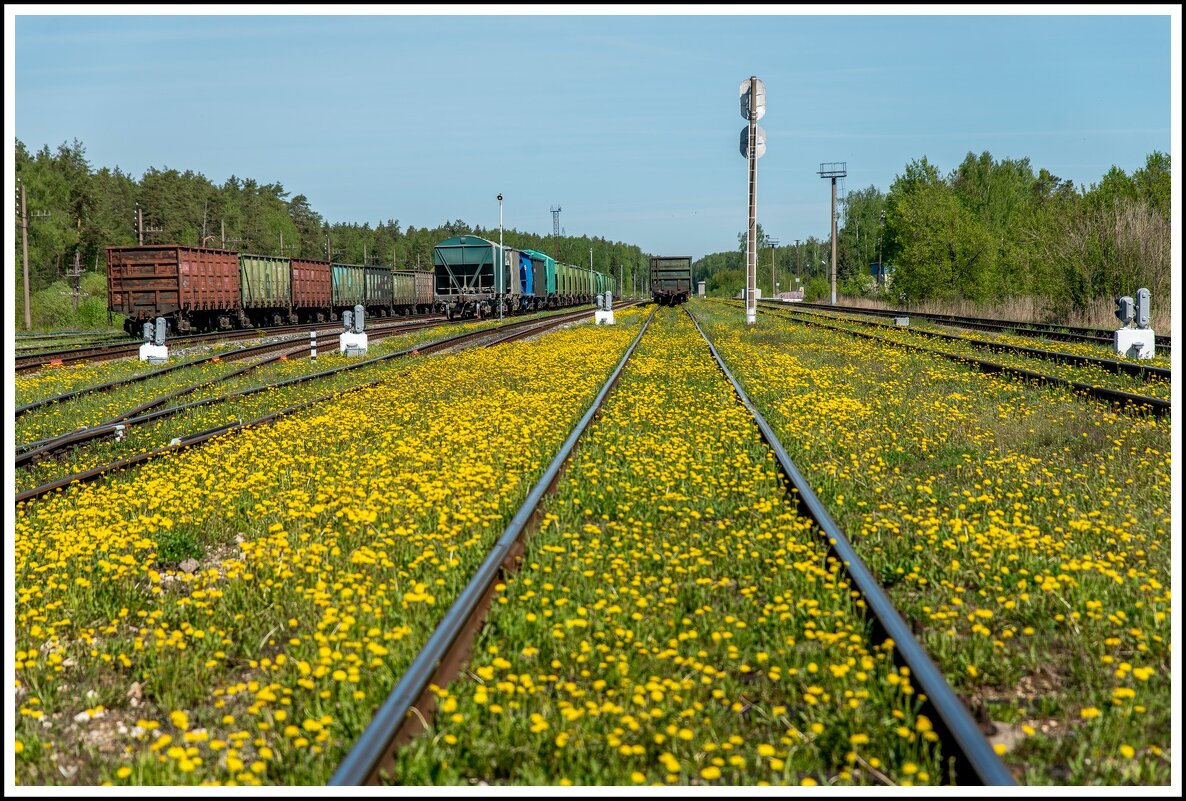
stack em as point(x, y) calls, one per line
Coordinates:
point(753, 145)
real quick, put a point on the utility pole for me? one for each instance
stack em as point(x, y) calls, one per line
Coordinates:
point(798, 279)
point(880, 264)
point(224, 240)
point(773, 244)
point(833, 170)
point(37, 215)
point(25, 240)
point(283, 249)
point(140, 229)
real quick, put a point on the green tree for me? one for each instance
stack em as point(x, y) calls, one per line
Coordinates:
point(939, 249)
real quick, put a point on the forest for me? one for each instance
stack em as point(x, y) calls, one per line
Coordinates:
point(74, 211)
point(988, 231)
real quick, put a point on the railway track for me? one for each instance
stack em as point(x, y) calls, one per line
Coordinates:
point(410, 706)
point(1061, 333)
point(31, 362)
point(34, 451)
point(1139, 370)
point(239, 353)
point(1128, 400)
point(40, 449)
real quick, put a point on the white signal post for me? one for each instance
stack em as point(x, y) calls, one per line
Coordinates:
point(753, 145)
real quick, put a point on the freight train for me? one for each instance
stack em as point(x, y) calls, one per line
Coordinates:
point(467, 283)
point(205, 289)
point(671, 279)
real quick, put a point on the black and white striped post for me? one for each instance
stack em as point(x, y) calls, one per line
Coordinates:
point(313, 346)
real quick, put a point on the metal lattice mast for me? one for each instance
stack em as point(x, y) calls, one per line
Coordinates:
point(555, 230)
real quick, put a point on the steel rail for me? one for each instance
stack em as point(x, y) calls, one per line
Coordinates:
point(226, 356)
point(1144, 371)
point(1159, 407)
point(94, 433)
point(33, 361)
point(39, 448)
point(975, 758)
point(1063, 333)
point(373, 750)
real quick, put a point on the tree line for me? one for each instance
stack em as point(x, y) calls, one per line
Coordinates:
point(76, 211)
point(990, 230)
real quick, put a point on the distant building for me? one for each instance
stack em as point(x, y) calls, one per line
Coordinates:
point(883, 274)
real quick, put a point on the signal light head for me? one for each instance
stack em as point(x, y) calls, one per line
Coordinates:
point(1124, 309)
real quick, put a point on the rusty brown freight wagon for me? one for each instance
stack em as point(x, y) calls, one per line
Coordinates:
point(312, 290)
point(425, 294)
point(194, 288)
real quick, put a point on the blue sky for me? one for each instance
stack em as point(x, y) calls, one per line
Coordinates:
point(629, 123)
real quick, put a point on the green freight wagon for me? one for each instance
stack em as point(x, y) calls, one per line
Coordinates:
point(377, 292)
point(466, 281)
point(565, 282)
point(349, 286)
point(266, 282)
point(403, 291)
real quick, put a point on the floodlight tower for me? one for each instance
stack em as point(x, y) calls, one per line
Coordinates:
point(555, 231)
point(833, 170)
